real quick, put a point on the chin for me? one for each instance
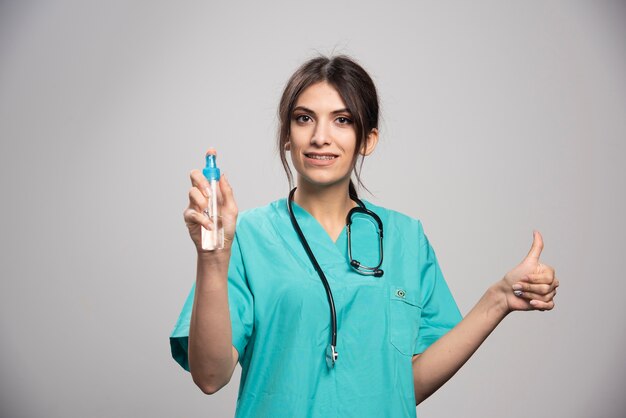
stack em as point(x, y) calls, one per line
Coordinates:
point(323, 181)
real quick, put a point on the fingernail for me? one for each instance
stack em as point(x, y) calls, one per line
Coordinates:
point(517, 286)
point(207, 192)
point(517, 293)
point(533, 302)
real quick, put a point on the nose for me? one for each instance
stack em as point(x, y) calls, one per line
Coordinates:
point(321, 135)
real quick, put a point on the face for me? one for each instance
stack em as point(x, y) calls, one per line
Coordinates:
point(323, 137)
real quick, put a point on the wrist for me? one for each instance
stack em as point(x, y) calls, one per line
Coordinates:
point(216, 261)
point(214, 255)
point(497, 299)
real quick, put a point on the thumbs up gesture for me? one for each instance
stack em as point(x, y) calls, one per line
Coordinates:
point(531, 285)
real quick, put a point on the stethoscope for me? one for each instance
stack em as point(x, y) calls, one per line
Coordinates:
point(331, 351)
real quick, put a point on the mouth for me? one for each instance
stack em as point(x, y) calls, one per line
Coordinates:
point(320, 156)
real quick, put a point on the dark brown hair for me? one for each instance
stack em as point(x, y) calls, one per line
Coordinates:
point(353, 84)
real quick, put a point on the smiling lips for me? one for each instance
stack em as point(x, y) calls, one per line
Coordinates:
point(320, 158)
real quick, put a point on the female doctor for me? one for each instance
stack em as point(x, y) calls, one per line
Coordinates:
point(394, 334)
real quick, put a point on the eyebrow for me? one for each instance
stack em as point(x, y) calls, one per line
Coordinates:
point(334, 112)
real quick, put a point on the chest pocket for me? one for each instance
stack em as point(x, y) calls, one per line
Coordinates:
point(404, 319)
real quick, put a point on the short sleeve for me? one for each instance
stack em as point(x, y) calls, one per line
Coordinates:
point(241, 306)
point(440, 312)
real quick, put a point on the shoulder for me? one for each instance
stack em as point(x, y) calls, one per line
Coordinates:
point(260, 235)
point(399, 226)
point(394, 218)
point(262, 217)
point(262, 212)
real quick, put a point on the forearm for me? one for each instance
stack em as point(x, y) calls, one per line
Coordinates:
point(210, 334)
point(445, 357)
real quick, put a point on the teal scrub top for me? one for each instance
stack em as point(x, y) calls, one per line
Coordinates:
point(281, 320)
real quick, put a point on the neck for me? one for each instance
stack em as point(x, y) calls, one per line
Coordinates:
point(329, 204)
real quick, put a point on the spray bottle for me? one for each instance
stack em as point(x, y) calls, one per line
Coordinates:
point(212, 239)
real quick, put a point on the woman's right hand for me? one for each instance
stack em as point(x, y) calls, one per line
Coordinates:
point(198, 201)
point(212, 357)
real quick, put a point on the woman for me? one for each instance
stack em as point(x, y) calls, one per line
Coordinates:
point(395, 334)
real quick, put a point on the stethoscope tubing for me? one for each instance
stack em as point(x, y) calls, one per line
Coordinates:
point(320, 272)
point(331, 352)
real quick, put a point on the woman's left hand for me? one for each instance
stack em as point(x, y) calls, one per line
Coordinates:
point(531, 285)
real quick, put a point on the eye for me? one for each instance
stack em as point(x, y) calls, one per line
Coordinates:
point(302, 118)
point(343, 120)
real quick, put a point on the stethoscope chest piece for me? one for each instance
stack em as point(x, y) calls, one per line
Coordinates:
point(331, 356)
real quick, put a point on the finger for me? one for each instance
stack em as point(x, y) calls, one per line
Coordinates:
point(546, 277)
point(535, 296)
point(199, 181)
point(197, 200)
point(227, 194)
point(220, 196)
point(194, 217)
point(542, 306)
point(537, 246)
point(540, 289)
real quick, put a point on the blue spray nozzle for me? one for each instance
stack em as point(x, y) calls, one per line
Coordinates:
point(211, 172)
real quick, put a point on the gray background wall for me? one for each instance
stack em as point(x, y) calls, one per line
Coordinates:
point(499, 117)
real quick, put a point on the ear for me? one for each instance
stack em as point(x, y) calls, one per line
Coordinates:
point(370, 143)
point(287, 146)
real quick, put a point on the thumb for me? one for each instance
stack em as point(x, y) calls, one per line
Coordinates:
point(535, 249)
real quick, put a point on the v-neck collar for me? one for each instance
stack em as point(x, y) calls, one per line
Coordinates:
point(315, 233)
point(331, 256)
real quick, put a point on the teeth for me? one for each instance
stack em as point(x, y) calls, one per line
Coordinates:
point(321, 157)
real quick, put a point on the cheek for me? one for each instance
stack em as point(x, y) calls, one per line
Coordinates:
point(347, 141)
point(298, 134)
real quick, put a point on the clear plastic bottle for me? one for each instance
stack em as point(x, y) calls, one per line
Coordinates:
point(212, 239)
